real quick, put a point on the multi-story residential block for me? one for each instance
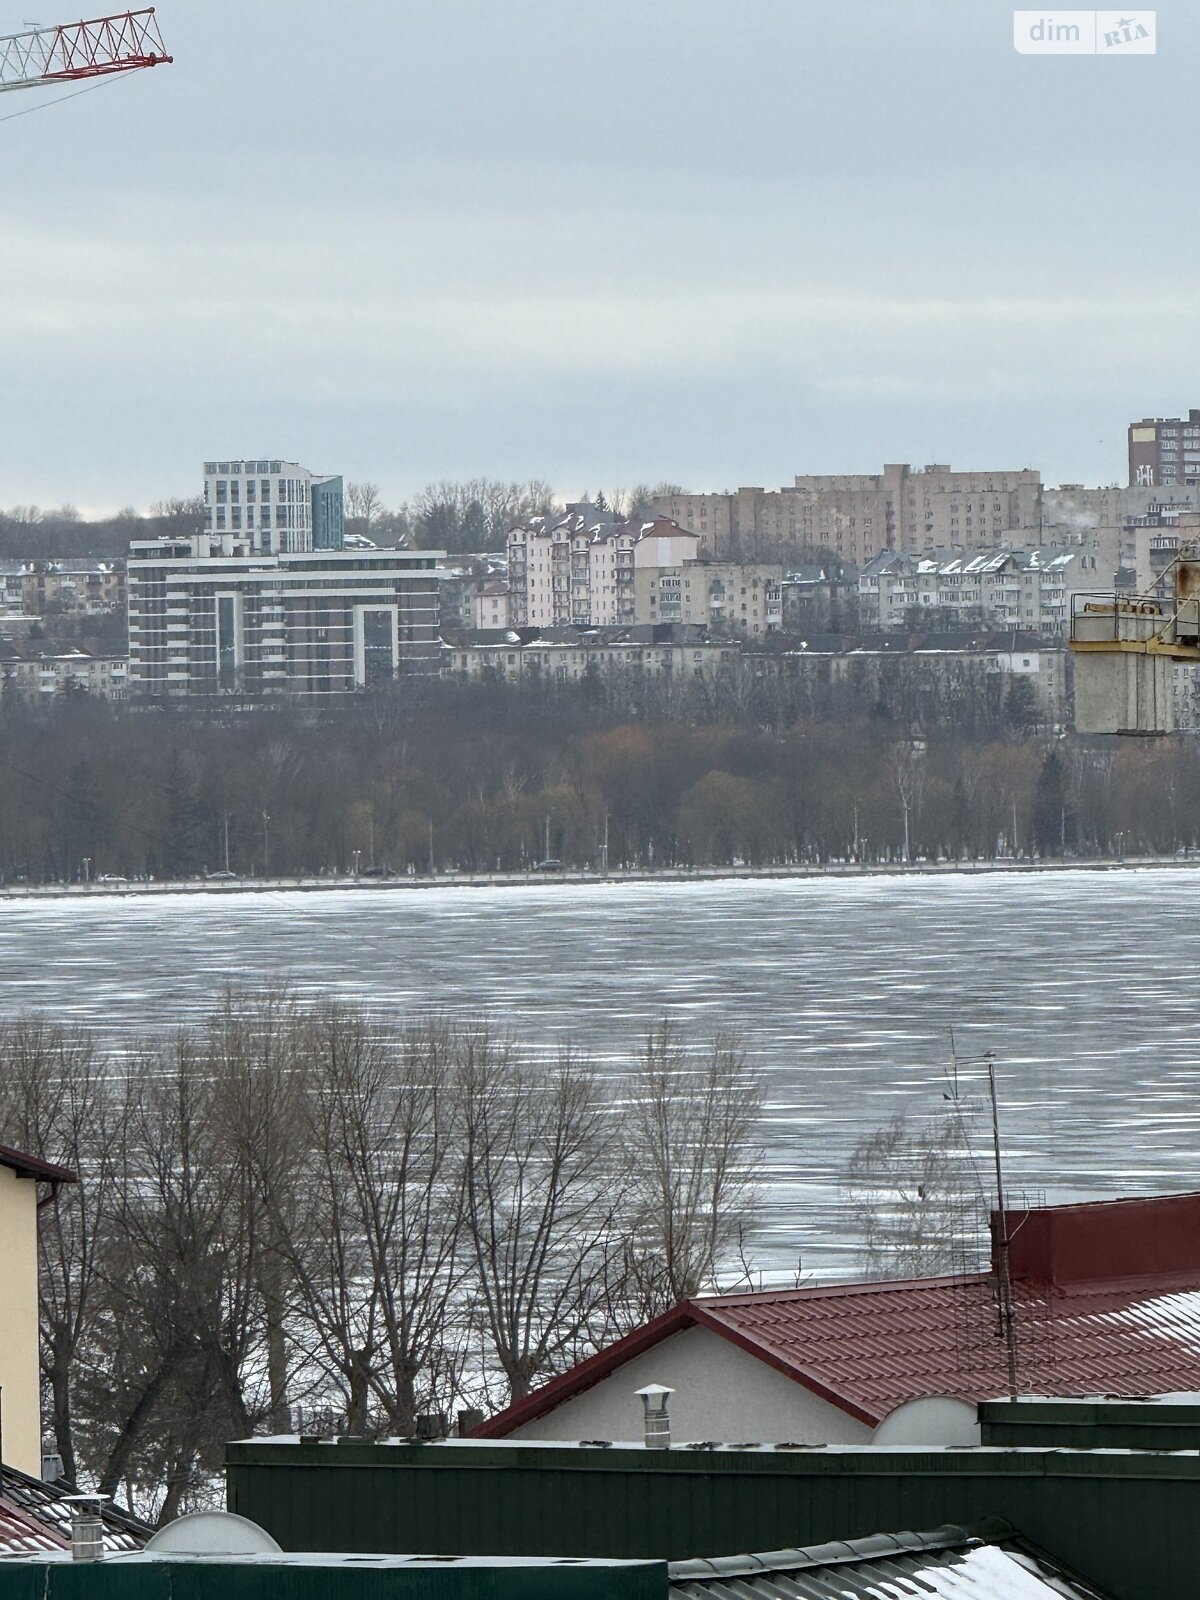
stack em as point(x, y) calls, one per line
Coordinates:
point(1164, 451)
point(279, 507)
point(1028, 589)
point(566, 572)
point(209, 616)
point(815, 599)
point(575, 569)
point(32, 672)
point(932, 678)
point(569, 657)
point(858, 515)
point(76, 588)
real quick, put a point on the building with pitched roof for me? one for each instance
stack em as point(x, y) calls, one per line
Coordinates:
point(1105, 1299)
point(20, 1369)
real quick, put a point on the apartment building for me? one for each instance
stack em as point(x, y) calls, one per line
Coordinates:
point(210, 616)
point(570, 572)
point(740, 598)
point(640, 651)
point(30, 671)
point(1164, 451)
point(74, 588)
point(930, 677)
point(857, 515)
point(279, 507)
point(1028, 589)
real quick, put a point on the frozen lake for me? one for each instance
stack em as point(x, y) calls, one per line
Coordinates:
point(1084, 984)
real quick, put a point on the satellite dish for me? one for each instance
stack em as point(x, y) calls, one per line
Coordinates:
point(212, 1533)
point(931, 1419)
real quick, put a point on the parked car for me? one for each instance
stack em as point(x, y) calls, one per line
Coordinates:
point(549, 865)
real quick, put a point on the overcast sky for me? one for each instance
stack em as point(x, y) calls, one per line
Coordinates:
point(638, 239)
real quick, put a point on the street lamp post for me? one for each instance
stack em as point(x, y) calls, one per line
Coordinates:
point(356, 854)
point(266, 821)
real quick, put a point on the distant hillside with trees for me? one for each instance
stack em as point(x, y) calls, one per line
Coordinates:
point(483, 776)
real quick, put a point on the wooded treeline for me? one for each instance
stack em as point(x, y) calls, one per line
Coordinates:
point(473, 514)
point(303, 1209)
point(479, 777)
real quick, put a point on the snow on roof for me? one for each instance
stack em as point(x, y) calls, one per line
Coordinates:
point(36, 1517)
point(948, 1563)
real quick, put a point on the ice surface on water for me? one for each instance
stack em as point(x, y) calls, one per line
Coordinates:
point(1084, 984)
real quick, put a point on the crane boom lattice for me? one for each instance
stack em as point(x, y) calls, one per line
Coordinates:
point(64, 54)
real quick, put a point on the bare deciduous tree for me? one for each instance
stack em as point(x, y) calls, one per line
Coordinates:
point(916, 1198)
point(691, 1166)
point(542, 1202)
point(364, 504)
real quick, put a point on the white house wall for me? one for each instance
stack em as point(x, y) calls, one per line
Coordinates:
point(720, 1393)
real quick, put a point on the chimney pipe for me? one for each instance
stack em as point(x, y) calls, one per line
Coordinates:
point(87, 1527)
point(657, 1422)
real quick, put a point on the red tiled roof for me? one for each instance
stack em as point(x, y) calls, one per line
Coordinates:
point(868, 1347)
point(35, 1515)
point(1107, 1301)
point(19, 1532)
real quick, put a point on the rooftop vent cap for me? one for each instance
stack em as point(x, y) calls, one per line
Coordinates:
point(657, 1423)
point(87, 1526)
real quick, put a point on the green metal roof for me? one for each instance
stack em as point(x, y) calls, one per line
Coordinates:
point(949, 1563)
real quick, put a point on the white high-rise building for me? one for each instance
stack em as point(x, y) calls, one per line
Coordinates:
point(209, 617)
point(274, 505)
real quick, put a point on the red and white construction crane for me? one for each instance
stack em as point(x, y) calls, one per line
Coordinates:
point(74, 50)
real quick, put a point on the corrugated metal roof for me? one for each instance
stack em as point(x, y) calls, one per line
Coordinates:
point(948, 1563)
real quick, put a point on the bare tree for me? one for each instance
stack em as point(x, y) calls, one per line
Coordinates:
point(916, 1198)
point(689, 1145)
point(363, 504)
point(368, 1224)
point(542, 1201)
point(172, 1379)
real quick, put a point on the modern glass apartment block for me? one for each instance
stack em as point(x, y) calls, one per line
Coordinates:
point(210, 616)
point(327, 514)
point(278, 507)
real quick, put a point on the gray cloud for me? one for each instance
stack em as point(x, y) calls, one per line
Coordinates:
point(664, 239)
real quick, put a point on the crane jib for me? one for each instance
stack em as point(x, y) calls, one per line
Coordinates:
point(123, 42)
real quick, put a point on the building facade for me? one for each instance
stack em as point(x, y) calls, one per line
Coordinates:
point(1027, 589)
point(209, 616)
point(1164, 451)
point(517, 660)
point(70, 588)
point(278, 507)
point(566, 572)
point(857, 515)
point(20, 1368)
point(33, 673)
